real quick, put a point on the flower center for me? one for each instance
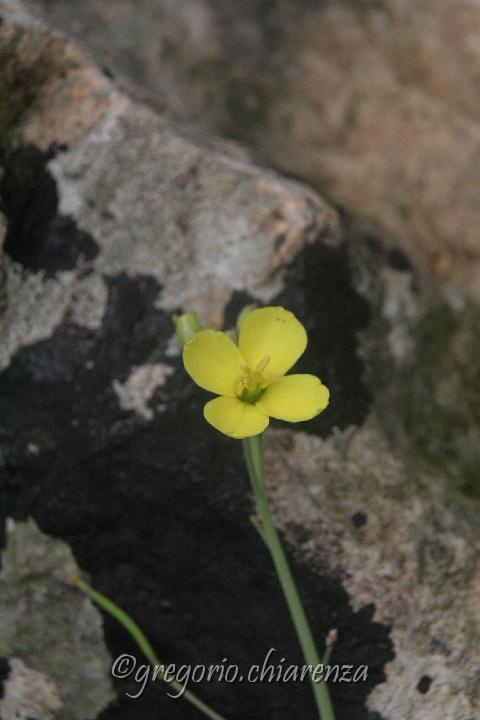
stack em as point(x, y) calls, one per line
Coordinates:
point(253, 383)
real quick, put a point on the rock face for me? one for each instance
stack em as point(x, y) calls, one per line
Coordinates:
point(63, 670)
point(115, 216)
point(375, 102)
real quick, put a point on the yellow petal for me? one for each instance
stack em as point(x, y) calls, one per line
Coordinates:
point(294, 398)
point(213, 361)
point(234, 417)
point(275, 332)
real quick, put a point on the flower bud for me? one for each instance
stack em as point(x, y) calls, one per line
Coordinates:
point(186, 326)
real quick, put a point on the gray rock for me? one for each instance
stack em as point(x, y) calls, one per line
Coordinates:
point(375, 102)
point(29, 693)
point(51, 633)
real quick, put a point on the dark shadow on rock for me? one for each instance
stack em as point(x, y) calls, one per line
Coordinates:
point(4, 673)
point(38, 237)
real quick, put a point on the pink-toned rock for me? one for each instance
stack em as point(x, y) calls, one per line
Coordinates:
point(49, 93)
point(375, 101)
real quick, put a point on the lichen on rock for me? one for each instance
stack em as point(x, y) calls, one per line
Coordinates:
point(39, 610)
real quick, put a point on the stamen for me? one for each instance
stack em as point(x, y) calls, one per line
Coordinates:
point(263, 363)
point(241, 385)
point(250, 386)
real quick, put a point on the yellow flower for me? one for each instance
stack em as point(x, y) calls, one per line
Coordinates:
point(250, 377)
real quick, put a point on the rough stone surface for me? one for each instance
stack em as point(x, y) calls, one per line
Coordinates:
point(139, 388)
point(374, 101)
point(176, 218)
point(29, 694)
point(51, 634)
point(48, 93)
point(414, 557)
point(102, 439)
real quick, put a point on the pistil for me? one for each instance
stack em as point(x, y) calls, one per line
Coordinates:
point(252, 384)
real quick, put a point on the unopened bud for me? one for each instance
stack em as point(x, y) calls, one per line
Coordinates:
point(186, 326)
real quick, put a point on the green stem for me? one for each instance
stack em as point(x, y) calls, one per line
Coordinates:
point(256, 524)
point(253, 448)
point(132, 628)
